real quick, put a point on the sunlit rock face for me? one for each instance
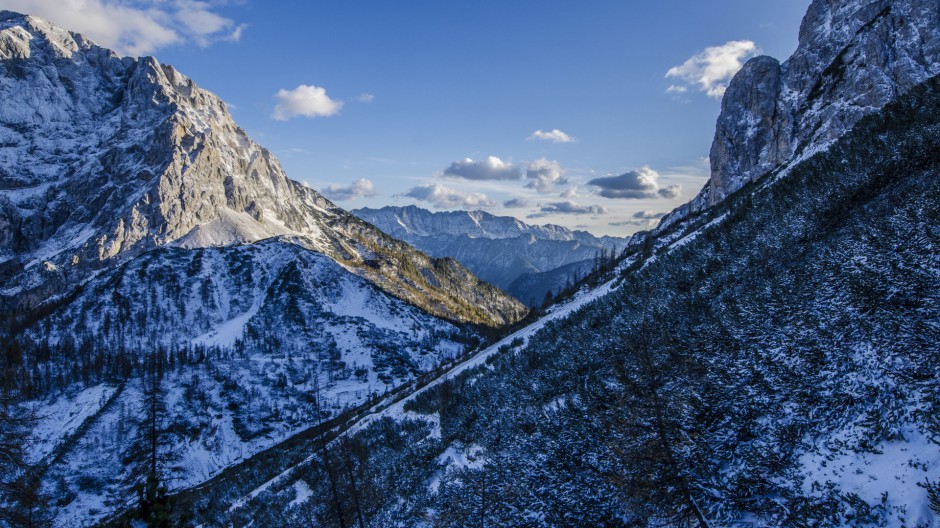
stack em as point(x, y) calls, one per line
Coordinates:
point(853, 57)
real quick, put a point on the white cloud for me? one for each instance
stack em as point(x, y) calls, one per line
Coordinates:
point(492, 168)
point(670, 191)
point(445, 198)
point(640, 218)
point(568, 207)
point(545, 175)
point(306, 101)
point(676, 89)
point(711, 69)
point(570, 192)
point(555, 136)
point(364, 98)
point(648, 215)
point(641, 183)
point(358, 189)
point(136, 28)
point(515, 203)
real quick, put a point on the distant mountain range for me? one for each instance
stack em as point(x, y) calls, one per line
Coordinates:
point(524, 260)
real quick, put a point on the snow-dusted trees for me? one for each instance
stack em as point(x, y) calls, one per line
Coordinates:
point(22, 504)
point(647, 409)
point(150, 458)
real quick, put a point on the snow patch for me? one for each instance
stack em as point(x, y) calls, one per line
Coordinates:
point(302, 493)
point(890, 473)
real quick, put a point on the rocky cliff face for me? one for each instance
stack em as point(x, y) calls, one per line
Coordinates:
point(853, 57)
point(106, 158)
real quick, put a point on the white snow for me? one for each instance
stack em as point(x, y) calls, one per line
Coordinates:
point(60, 418)
point(231, 227)
point(892, 471)
point(694, 234)
point(456, 457)
point(302, 493)
point(230, 331)
point(396, 410)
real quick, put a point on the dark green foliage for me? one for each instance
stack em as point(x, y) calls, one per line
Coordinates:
point(22, 502)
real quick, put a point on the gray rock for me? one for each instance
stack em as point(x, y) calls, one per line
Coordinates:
point(853, 57)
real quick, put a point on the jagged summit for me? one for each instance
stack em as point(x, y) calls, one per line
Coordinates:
point(34, 31)
point(853, 57)
point(106, 158)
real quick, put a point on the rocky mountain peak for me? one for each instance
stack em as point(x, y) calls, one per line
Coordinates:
point(106, 158)
point(853, 57)
point(21, 34)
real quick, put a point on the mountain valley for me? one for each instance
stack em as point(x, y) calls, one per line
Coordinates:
point(191, 338)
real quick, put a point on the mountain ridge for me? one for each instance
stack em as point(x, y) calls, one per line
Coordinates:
point(499, 249)
point(142, 158)
point(157, 264)
point(768, 357)
point(691, 391)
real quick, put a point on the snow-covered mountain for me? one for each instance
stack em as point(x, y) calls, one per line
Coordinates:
point(156, 263)
point(106, 158)
point(768, 356)
point(853, 57)
point(498, 249)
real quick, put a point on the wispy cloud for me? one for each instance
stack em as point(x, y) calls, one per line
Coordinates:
point(364, 98)
point(491, 168)
point(140, 27)
point(515, 203)
point(555, 136)
point(568, 208)
point(443, 197)
point(711, 69)
point(640, 218)
point(360, 188)
point(305, 101)
point(641, 183)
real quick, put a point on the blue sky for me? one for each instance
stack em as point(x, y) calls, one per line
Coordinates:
point(438, 104)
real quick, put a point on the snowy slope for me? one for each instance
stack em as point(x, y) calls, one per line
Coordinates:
point(769, 358)
point(144, 235)
point(253, 331)
point(773, 363)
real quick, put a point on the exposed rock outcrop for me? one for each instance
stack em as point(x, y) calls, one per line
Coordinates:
point(853, 58)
